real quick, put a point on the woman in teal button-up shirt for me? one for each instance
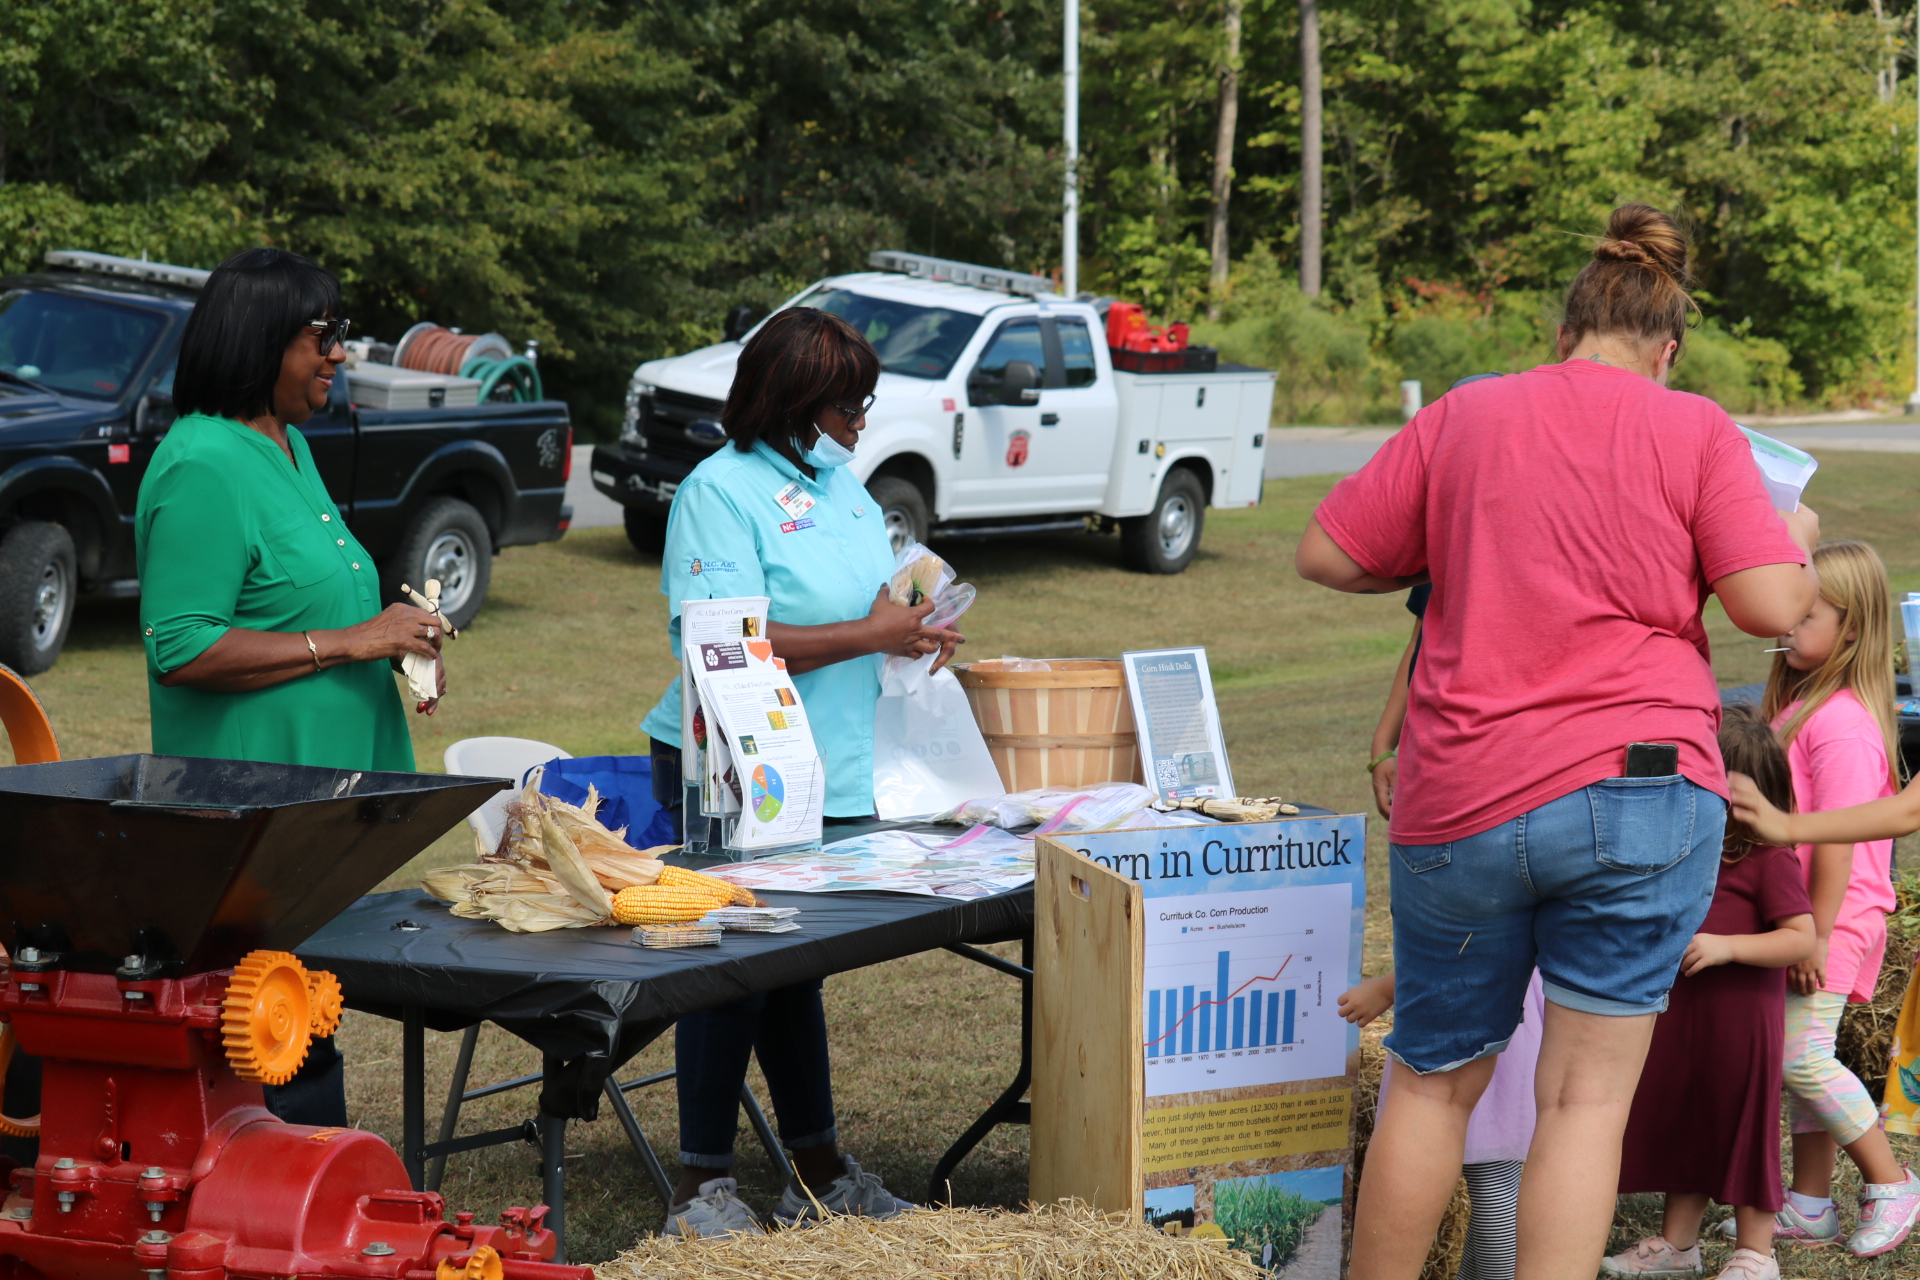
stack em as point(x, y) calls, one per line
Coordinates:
point(779, 515)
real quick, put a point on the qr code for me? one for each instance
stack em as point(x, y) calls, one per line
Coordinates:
point(1166, 772)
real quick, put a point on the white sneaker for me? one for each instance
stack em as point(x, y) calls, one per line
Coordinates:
point(1794, 1227)
point(1655, 1259)
point(716, 1211)
point(855, 1191)
point(1750, 1264)
point(1887, 1215)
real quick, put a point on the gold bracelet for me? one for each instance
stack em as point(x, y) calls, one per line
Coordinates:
point(313, 649)
point(1382, 758)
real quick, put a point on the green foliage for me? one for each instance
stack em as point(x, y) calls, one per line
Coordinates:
point(1256, 1213)
point(1743, 373)
point(608, 176)
point(1322, 355)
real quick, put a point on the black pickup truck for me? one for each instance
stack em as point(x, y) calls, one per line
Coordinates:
point(87, 351)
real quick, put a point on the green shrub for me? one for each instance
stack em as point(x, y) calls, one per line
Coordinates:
point(1257, 1213)
point(1742, 373)
point(1322, 357)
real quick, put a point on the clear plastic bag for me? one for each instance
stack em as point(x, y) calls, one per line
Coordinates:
point(928, 755)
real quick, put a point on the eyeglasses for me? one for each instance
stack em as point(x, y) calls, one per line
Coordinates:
point(854, 412)
point(331, 332)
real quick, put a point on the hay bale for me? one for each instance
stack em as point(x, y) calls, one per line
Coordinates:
point(1047, 1242)
point(1450, 1242)
point(1864, 1044)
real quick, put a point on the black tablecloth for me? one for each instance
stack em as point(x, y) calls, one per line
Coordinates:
point(593, 998)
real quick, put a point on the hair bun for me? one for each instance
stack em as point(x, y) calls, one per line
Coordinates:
point(1643, 235)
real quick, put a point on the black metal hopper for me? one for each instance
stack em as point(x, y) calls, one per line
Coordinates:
point(193, 863)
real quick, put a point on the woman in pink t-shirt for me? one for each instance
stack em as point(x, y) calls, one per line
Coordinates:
point(1572, 520)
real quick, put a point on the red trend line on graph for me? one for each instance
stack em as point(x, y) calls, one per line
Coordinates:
point(1222, 1002)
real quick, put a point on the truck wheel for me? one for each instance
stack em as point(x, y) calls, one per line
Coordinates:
point(449, 541)
point(1165, 539)
point(903, 507)
point(646, 530)
point(39, 579)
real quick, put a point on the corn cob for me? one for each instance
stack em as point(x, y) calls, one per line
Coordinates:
point(665, 904)
point(681, 878)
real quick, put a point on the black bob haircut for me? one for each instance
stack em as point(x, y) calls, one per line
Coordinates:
point(800, 361)
point(250, 308)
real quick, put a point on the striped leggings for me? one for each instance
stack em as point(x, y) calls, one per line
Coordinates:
point(1494, 1187)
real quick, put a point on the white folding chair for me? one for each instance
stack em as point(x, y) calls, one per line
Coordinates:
point(497, 758)
point(511, 758)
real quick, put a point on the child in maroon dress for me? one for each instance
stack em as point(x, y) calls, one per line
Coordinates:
point(1705, 1123)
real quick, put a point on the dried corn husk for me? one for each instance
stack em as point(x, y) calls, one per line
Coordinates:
point(571, 869)
point(1235, 809)
point(555, 868)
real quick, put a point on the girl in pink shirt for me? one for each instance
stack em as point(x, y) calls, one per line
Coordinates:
point(1830, 698)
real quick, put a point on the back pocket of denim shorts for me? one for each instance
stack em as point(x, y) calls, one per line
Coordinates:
point(1423, 857)
point(1642, 825)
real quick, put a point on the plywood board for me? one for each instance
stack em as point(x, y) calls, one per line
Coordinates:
point(1088, 1071)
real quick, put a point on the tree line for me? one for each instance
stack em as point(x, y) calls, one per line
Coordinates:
point(610, 176)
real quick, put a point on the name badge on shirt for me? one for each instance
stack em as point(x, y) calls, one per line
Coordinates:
point(794, 501)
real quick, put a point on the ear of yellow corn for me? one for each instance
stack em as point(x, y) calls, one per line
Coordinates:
point(681, 878)
point(666, 904)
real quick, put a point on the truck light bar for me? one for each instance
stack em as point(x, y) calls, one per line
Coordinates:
point(133, 268)
point(921, 267)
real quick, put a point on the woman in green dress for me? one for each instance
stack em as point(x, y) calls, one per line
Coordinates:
point(259, 608)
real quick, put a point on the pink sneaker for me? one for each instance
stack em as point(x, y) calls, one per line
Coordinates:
point(1794, 1227)
point(1749, 1264)
point(1653, 1258)
point(1887, 1213)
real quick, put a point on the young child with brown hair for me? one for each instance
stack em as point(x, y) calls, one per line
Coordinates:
point(1705, 1124)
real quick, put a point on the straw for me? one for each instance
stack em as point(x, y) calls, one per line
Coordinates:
point(1067, 1241)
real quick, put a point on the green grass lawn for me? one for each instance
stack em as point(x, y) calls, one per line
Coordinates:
point(571, 649)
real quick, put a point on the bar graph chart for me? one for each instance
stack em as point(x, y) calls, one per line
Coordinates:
point(1240, 987)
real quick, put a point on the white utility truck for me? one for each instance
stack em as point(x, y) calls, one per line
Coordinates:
point(999, 411)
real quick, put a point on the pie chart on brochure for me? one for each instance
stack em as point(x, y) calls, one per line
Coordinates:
point(769, 792)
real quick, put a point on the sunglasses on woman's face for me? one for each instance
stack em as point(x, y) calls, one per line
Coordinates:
point(331, 332)
point(854, 412)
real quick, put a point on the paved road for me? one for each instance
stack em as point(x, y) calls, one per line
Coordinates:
point(1330, 451)
point(591, 508)
point(1324, 451)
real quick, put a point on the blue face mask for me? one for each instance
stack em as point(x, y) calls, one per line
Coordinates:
point(827, 452)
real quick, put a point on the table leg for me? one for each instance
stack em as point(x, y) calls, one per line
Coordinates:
point(1008, 1107)
point(450, 1117)
point(553, 1171)
point(642, 1148)
point(413, 1092)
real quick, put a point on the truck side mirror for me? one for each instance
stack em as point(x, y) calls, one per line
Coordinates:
point(1020, 384)
point(154, 414)
point(739, 320)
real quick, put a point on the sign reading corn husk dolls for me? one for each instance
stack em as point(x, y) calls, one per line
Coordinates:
point(1189, 1063)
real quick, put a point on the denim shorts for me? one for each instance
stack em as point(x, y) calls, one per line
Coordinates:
point(1602, 889)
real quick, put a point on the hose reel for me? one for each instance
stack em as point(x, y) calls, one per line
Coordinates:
point(505, 377)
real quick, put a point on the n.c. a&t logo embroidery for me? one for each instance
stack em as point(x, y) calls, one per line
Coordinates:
point(698, 567)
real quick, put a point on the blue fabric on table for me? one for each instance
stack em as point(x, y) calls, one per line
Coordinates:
point(625, 784)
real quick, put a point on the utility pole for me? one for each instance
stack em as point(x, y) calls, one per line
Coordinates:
point(1913, 401)
point(1070, 224)
point(1310, 201)
point(1223, 157)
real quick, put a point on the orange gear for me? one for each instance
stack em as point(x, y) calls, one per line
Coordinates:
point(485, 1264)
point(267, 1018)
point(30, 1127)
point(323, 994)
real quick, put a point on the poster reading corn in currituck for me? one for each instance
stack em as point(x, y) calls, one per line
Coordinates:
point(1252, 931)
